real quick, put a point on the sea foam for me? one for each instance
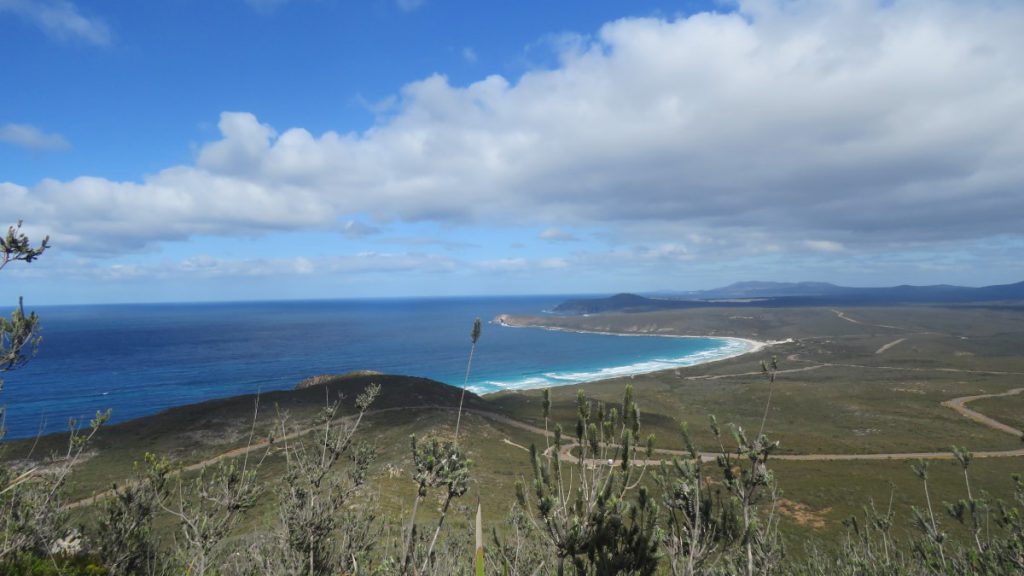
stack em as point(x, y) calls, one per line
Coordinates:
point(730, 347)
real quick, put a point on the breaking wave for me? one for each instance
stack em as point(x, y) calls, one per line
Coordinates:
point(730, 347)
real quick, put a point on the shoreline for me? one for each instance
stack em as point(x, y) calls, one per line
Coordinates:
point(749, 346)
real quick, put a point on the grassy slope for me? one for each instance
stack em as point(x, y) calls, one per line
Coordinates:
point(868, 402)
point(189, 434)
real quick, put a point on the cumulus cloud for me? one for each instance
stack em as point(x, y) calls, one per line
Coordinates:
point(60, 19)
point(28, 136)
point(847, 122)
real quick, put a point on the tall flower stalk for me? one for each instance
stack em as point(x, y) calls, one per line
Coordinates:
point(475, 335)
point(769, 371)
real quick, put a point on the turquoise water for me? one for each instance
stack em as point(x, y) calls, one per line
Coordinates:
point(140, 359)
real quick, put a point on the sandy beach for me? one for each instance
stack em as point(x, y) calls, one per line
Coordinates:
point(735, 347)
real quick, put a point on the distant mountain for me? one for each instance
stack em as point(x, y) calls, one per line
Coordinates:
point(777, 294)
point(771, 289)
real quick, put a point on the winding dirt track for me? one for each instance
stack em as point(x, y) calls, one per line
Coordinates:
point(960, 405)
point(565, 454)
point(957, 404)
point(814, 365)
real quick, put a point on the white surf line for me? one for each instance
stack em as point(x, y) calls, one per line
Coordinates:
point(751, 344)
point(889, 345)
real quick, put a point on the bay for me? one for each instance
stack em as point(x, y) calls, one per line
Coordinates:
point(142, 358)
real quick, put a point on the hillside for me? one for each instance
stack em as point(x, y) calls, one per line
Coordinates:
point(190, 433)
point(860, 394)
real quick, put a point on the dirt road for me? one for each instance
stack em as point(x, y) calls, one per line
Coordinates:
point(889, 345)
point(565, 453)
point(960, 405)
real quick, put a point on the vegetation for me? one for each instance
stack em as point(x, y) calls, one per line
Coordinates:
point(298, 489)
point(33, 519)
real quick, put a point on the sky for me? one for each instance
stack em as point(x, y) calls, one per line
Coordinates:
point(188, 150)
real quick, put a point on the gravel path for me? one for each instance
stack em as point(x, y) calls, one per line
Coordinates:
point(565, 454)
point(889, 345)
point(960, 405)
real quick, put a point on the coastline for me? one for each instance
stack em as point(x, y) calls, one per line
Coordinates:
point(740, 346)
point(151, 376)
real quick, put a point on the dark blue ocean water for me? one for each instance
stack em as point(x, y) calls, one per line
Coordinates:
point(140, 359)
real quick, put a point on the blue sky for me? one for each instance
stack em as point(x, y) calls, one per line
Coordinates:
point(263, 149)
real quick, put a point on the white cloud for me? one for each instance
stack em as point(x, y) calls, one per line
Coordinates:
point(557, 235)
point(642, 257)
point(357, 229)
point(304, 265)
point(206, 266)
point(668, 252)
point(554, 263)
point(210, 267)
point(847, 122)
point(389, 262)
point(505, 265)
point(469, 55)
point(824, 246)
point(60, 19)
point(28, 136)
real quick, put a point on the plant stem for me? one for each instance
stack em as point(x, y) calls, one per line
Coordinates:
point(437, 531)
point(474, 336)
point(408, 539)
point(465, 382)
point(767, 405)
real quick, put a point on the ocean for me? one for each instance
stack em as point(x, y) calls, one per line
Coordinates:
point(139, 359)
